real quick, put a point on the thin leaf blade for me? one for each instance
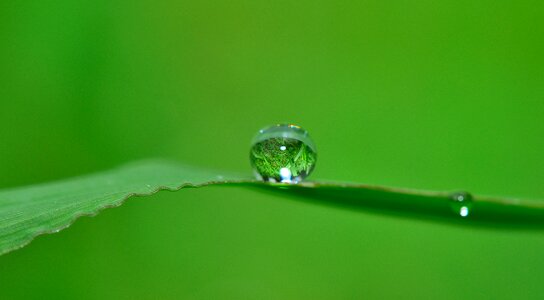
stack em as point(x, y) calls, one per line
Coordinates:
point(27, 212)
point(47, 208)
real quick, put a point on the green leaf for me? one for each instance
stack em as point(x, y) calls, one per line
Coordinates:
point(27, 212)
point(485, 211)
point(48, 208)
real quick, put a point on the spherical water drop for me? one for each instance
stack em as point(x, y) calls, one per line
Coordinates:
point(461, 203)
point(283, 153)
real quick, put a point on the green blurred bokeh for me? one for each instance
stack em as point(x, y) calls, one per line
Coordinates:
point(442, 95)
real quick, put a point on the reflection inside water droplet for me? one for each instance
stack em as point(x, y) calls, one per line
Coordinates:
point(463, 211)
point(461, 203)
point(283, 153)
point(285, 175)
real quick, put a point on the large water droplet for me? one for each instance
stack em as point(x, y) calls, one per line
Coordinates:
point(461, 203)
point(282, 153)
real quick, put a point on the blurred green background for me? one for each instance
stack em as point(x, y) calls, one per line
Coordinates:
point(442, 95)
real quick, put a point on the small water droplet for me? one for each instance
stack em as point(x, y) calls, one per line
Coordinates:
point(282, 153)
point(461, 203)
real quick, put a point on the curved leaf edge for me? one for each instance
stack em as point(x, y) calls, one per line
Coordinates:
point(118, 203)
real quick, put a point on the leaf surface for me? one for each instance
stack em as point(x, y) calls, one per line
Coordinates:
point(27, 212)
